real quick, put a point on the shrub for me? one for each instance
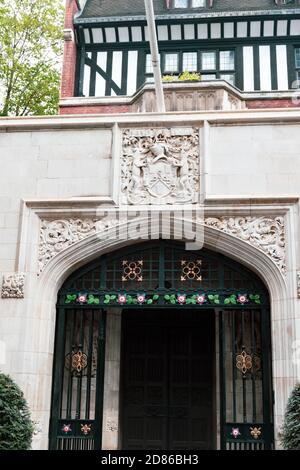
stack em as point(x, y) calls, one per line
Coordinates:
point(16, 428)
point(184, 76)
point(291, 430)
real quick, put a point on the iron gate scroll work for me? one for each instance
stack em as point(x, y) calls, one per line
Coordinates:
point(163, 275)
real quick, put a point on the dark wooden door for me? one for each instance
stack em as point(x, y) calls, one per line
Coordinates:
point(167, 379)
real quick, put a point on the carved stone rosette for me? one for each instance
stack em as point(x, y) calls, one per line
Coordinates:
point(160, 166)
point(13, 286)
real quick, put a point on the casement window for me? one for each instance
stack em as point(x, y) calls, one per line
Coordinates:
point(189, 62)
point(189, 3)
point(211, 64)
point(171, 63)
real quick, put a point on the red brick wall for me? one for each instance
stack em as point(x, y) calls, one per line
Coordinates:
point(262, 104)
point(69, 61)
point(100, 109)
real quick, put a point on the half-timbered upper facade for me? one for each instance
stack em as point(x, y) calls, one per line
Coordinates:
point(252, 45)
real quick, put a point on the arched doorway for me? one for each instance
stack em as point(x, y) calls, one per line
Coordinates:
point(209, 319)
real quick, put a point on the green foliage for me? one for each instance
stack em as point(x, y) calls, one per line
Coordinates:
point(214, 299)
point(169, 78)
point(189, 76)
point(16, 428)
point(92, 300)
point(255, 298)
point(231, 300)
point(291, 430)
point(184, 76)
point(30, 56)
point(71, 298)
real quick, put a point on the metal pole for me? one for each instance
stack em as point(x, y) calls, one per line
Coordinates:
point(160, 100)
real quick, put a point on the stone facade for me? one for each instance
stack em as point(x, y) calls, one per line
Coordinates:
point(61, 175)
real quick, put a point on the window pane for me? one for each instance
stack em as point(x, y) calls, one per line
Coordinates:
point(226, 60)
point(208, 60)
point(181, 3)
point(229, 77)
point(189, 62)
point(297, 57)
point(298, 80)
point(171, 63)
point(198, 3)
point(207, 76)
point(149, 67)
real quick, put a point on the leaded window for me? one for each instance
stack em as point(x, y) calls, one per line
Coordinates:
point(209, 61)
point(171, 63)
point(226, 60)
point(211, 64)
point(189, 61)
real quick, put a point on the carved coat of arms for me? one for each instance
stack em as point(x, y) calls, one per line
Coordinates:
point(160, 167)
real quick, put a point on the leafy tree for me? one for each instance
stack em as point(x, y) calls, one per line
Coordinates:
point(291, 429)
point(16, 428)
point(30, 56)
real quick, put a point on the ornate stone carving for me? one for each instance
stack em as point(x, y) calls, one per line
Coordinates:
point(57, 235)
point(160, 166)
point(13, 286)
point(265, 233)
point(111, 425)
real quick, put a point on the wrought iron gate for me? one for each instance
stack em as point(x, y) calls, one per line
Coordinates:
point(245, 380)
point(163, 275)
point(76, 423)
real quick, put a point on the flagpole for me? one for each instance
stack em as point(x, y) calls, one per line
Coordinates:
point(160, 100)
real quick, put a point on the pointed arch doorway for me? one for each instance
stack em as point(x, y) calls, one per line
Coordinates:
point(184, 295)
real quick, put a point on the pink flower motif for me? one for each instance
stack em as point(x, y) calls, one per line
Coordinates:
point(122, 299)
point(242, 299)
point(141, 298)
point(235, 433)
point(201, 299)
point(181, 298)
point(82, 298)
point(66, 428)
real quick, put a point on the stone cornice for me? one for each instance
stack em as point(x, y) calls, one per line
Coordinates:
point(192, 118)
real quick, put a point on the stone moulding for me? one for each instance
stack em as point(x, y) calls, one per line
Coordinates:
point(13, 286)
point(264, 233)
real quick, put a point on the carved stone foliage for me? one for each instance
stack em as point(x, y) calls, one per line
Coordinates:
point(13, 286)
point(160, 166)
point(265, 233)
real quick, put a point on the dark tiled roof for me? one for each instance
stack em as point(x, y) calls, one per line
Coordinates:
point(111, 8)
